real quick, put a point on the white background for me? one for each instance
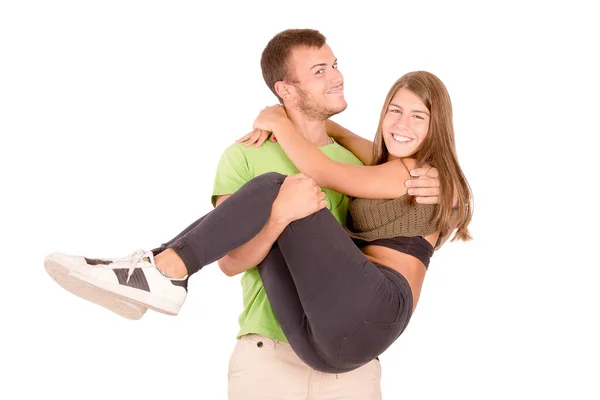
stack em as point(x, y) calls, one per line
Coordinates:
point(113, 116)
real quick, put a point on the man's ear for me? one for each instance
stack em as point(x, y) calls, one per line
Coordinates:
point(283, 90)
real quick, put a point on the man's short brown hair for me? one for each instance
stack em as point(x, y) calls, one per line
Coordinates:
point(275, 57)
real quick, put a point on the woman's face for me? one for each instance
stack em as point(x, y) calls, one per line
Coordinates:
point(405, 124)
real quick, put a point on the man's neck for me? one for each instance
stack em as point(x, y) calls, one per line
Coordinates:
point(313, 130)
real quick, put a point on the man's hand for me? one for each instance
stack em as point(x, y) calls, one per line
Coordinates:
point(424, 185)
point(298, 197)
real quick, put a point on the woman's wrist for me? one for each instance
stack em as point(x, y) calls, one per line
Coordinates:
point(283, 125)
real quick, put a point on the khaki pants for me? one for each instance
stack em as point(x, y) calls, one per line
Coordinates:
point(265, 369)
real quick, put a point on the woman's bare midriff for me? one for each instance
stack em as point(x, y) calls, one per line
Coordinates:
point(409, 266)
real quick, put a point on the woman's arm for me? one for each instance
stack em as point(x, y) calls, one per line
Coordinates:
point(385, 181)
point(361, 147)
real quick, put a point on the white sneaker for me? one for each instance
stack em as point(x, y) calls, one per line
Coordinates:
point(126, 286)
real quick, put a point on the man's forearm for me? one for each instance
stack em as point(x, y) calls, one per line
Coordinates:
point(254, 251)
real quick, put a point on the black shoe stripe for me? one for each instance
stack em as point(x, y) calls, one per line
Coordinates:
point(95, 261)
point(137, 279)
point(182, 283)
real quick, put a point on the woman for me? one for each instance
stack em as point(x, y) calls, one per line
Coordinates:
point(343, 296)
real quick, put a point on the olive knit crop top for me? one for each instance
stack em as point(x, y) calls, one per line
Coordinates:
point(394, 223)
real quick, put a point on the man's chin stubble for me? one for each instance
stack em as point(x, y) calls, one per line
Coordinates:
point(321, 114)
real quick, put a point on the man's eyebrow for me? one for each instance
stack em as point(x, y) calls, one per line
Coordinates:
point(322, 64)
point(416, 111)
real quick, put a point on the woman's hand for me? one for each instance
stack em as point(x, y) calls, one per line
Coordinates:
point(270, 117)
point(264, 125)
point(257, 137)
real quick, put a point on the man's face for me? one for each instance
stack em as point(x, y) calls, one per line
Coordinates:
point(318, 85)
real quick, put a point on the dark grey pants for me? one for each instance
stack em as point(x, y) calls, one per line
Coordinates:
point(337, 309)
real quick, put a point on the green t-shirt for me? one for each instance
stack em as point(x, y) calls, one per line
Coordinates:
point(238, 165)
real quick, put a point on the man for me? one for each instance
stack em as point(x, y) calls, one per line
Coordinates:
point(301, 70)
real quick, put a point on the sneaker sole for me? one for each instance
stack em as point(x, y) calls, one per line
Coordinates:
point(108, 297)
point(60, 274)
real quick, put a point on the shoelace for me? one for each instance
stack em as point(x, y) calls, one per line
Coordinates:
point(131, 262)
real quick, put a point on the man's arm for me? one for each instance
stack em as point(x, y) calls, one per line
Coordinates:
point(232, 173)
point(298, 197)
point(254, 251)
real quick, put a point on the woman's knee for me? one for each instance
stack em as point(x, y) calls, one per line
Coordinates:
point(270, 178)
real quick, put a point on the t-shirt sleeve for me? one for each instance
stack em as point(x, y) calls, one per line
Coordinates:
point(232, 172)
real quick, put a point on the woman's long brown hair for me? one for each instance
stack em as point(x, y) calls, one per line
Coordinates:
point(438, 149)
